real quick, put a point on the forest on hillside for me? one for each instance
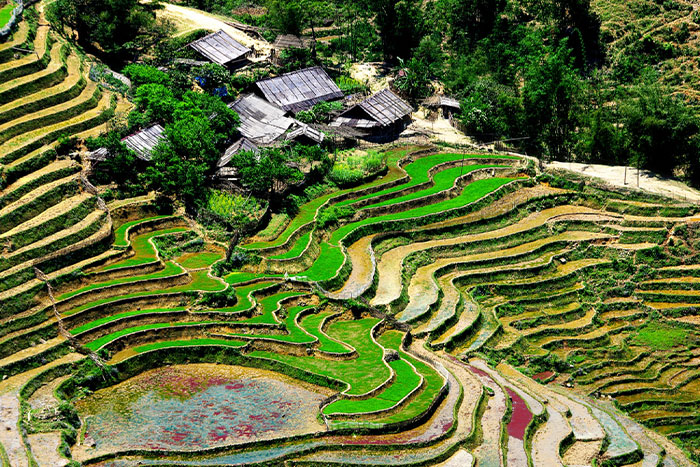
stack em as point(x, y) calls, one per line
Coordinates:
point(545, 75)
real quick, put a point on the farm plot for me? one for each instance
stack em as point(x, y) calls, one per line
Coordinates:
point(360, 340)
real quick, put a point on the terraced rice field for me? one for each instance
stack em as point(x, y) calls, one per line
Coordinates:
point(405, 334)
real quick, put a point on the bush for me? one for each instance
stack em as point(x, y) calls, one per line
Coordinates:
point(353, 169)
point(145, 74)
point(332, 214)
point(319, 113)
point(231, 210)
point(350, 85)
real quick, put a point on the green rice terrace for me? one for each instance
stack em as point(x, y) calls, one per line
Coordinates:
point(464, 309)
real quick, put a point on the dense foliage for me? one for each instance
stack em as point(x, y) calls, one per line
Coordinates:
point(117, 29)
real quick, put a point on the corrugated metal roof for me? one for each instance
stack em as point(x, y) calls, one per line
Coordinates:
point(300, 90)
point(98, 155)
point(261, 122)
point(220, 48)
point(355, 122)
point(305, 130)
point(442, 101)
point(384, 107)
point(286, 41)
point(243, 144)
point(144, 141)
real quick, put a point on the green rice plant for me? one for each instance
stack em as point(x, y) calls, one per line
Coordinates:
point(353, 372)
point(6, 12)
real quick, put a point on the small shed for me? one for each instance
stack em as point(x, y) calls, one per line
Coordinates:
point(143, 142)
point(289, 41)
point(305, 134)
point(300, 90)
point(382, 114)
point(261, 122)
point(447, 105)
point(223, 49)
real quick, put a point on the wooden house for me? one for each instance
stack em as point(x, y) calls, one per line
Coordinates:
point(223, 49)
point(143, 142)
point(261, 122)
point(265, 124)
point(300, 90)
point(379, 117)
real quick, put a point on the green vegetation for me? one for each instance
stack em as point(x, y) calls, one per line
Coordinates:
point(660, 336)
point(6, 12)
point(356, 334)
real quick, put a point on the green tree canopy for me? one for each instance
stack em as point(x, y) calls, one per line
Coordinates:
point(266, 172)
point(117, 28)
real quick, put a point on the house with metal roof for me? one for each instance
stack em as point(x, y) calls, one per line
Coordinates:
point(219, 47)
point(300, 90)
point(143, 142)
point(261, 121)
point(381, 114)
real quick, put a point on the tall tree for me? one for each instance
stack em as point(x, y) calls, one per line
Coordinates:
point(551, 99)
point(116, 28)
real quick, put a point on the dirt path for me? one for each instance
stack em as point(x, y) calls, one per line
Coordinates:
point(189, 19)
point(648, 181)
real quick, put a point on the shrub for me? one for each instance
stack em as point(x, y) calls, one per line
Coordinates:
point(145, 74)
point(332, 214)
point(354, 168)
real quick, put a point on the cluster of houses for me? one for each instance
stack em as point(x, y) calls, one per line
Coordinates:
point(267, 112)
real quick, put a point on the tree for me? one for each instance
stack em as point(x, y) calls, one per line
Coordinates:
point(287, 15)
point(212, 76)
point(551, 100)
point(118, 167)
point(181, 163)
point(156, 102)
point(115, 28)
point(145, 74)
point(266, 172)
point(400, 24)
point(663, 133)
point(470, 20)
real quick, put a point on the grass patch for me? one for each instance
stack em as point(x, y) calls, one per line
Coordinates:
point(188, 343)
point(199, 260)
point(307, 211)
point(297, 249)
point(6, 12)
point(406, 381)
point(296, 334)
point(442, 180)
point(144, 252)
point(127, 314)
point(271, 304)
point(331, 257)
point(660, 336)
